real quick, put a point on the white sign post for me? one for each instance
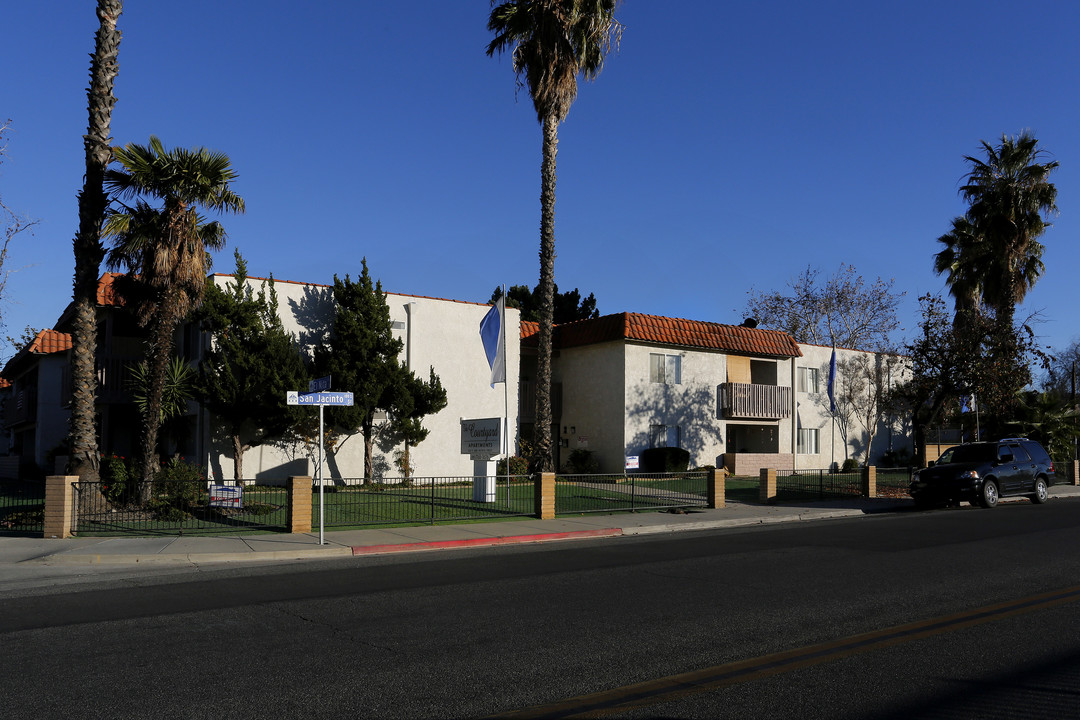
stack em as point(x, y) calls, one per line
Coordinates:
point(481, 439)
point(318, 397)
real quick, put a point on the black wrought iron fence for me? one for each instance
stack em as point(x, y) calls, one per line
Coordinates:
point(817, 485)
point(177, 508)
point(894, 482)
point(575, 494)
point(1062, 472)
point(22, 506)
point(408, 501)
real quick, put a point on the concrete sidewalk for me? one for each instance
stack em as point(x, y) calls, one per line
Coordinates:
point(277, 547)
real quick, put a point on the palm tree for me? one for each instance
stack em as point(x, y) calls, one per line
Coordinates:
point(89, 251)
point(964, 261)
point(165, 250)
point(1009, 195)
point(552, 43)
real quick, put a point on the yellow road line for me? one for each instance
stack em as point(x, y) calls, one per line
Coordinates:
point(674, 687)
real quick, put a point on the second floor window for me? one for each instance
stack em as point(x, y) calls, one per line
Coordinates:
point(807, 379)
point(664, 436)
point(808, 441)
point(665, 369)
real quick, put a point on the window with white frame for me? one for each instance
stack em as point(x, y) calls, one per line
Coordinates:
point(663, 436)
point(808, 441)
point(808, 380)
point(665, 369)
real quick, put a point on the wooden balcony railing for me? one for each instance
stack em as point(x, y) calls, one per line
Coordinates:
point(21, 407)
point(748, 401)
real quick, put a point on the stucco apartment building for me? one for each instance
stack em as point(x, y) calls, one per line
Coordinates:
point(733, 396)
point(435, 333)
point(438, 333)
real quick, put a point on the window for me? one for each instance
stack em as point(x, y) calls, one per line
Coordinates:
point(807, 380)
point(808, 441)
point(663, 436)
point(666, 369)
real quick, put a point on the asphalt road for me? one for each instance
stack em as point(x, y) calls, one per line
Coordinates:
point(952, 614)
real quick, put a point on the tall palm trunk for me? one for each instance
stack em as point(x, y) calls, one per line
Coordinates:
point(543, 461)
point(84, 458)
point(159, 350)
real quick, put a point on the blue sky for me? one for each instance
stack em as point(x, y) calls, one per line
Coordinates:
point(725, 147)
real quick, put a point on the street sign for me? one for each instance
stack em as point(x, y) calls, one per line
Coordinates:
point(319, 384)
point(294, 397)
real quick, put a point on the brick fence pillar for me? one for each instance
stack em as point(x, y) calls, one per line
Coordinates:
point(715, 488)
point(299, 516)
point(869, 481)
point(767, 485)
point(1075, 475)
point(545, 496)
point(59, 505)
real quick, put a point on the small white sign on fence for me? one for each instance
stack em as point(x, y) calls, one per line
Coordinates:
point(227, 496)
point(632, 462)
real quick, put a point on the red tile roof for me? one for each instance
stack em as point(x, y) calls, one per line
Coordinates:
point(45, 342)
point(734, 339)
point(529, 328)
point(106, 291)
point(48, 342)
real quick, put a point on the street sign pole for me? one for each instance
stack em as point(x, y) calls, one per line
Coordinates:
point(318, 394)
point(322, 502)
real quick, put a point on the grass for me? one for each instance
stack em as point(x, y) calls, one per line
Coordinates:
point(22, 506)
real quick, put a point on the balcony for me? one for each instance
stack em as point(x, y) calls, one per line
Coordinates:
point(21, 407)
point(747, 401)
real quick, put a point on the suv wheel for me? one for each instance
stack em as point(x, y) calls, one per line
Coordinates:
point(988, 498)
point(1042, 493)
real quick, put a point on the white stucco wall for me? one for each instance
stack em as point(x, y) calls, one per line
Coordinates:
point(593, 398)
point(813, 412)
point(690, 405)
point(444, 334)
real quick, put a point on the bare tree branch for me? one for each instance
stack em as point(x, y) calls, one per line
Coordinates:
point(844, 311)
point(13, 224)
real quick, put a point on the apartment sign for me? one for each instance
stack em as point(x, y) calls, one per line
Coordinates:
point(481, 437)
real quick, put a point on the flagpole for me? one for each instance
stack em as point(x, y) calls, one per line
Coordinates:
point(832, 408)
point(506, 398)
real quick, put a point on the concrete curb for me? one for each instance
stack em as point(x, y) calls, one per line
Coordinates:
point(738, 522)
point(190, 558)
point(483, 542)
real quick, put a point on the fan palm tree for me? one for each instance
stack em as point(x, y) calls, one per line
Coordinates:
point(965, 262)
point(552, 42)
point(88, 248)
point(1009, 195)
point(165, 250)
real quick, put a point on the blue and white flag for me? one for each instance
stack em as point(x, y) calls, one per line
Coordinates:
point(832, 382)
point(967, 403)
point(492, 335)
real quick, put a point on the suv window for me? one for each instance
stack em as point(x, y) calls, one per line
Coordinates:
point(1019, 453)
point(1038, 454)
point(968, 453)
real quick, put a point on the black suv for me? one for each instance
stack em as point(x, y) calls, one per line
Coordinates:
point(982, 472)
